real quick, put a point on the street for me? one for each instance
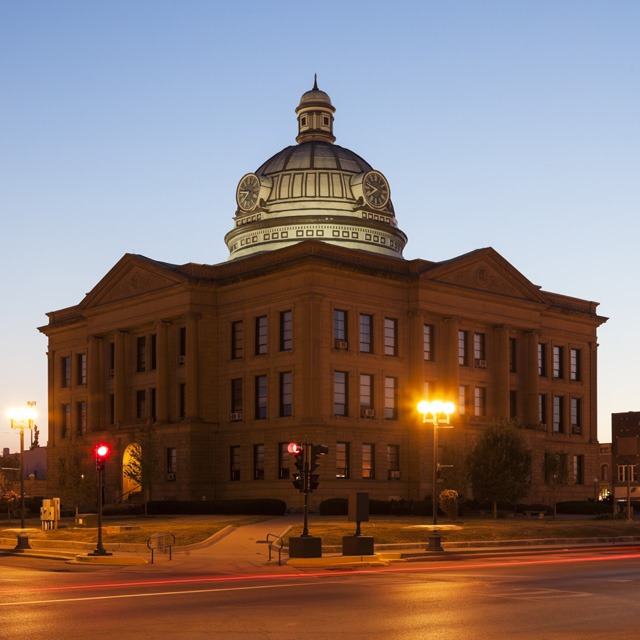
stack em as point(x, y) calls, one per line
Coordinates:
point(587, 594)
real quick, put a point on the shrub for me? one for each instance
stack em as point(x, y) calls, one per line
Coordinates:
point(251, 506)
point(334, 507)
point(583, 507)
point(448, 502)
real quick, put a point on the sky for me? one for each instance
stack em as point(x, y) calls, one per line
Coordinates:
point(125, 126)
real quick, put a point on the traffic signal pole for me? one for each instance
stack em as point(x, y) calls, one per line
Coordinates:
point(102, 451)
point(305, 505)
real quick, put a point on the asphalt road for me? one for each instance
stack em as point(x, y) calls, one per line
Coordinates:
point(569, 595)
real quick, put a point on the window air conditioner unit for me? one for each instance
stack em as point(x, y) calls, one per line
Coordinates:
point(368, 413)
point(236, 416)
point(341, 344)
point(182, 359)
point(543, 426)
point(394, 475)
point(171, 477)
point(481, 364)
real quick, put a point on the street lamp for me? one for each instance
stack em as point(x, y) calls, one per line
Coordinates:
point(21, 419)
point(436, 413)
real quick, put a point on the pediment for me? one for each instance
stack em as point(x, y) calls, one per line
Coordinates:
point(132, 276)
point(486, 270)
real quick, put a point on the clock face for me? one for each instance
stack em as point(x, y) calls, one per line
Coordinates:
point(248, 191)
point(375, 189)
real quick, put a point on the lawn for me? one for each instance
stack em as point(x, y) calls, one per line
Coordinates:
point(384, 529)
point(187, 529)
point(389, 530)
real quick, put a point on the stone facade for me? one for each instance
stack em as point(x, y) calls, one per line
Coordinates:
point(228, 363)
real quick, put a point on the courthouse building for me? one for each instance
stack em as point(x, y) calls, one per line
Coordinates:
point(317, 329)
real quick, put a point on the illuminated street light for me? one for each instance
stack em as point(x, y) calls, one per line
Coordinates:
point(22, 418)
point(436, 413)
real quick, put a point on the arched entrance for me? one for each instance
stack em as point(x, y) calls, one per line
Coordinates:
point(129, 486)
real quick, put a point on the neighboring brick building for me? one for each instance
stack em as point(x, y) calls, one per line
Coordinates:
point(318, 330)
point(625, 452)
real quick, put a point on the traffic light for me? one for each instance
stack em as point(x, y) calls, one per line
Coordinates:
point(102, 452)
point(314, 481)
point(317, 452)
point(296, 449)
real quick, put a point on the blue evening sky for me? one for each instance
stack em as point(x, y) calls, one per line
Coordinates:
point(125, 126)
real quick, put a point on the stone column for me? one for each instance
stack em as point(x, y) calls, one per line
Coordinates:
point(501, 372)
point(531, 378)
point(51, 402)
point(451, 367)
point(95, 417)
point(593, 392)
point(162, 371)
point(193, 369)
point(120, 378)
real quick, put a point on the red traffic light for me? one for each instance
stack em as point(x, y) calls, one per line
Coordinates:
point(294, 448)
point(102, 451)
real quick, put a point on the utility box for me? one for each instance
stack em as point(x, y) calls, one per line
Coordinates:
point(50, 513)
point(89, 520)
point(359, 506)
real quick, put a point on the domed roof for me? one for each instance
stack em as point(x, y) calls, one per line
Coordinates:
point(314, 190)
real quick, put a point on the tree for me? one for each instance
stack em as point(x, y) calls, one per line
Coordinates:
point(555, 472)
point(143, 460)
point(77, 475)
point(499, 465)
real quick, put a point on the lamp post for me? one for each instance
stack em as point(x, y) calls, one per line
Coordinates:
point(595, 490)
point(436, 413)
point(21, 419)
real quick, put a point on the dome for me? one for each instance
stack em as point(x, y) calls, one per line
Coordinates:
point(314, 190)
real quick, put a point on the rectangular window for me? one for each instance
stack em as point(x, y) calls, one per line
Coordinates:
point(463, 354)
point(286, 394)
point(428, 343)
point(366, 395)
point(558, 414)
point(261, 336)
point(81, 362)
point(182, 345)
point(258, 462)
point(340, 382)
point(141, 353)
point(368, 462)
point(261, 397)
point(575, 374)
point(627, 471)
point(513, 352)
point(237, 339)
point(393, 461)
point(542, 359)
point(65, 422)
point(390, 398)
point(284, 461)
point(286, 331)
point(112, 409)
point(234, 463)
point(576, 415)
point(81, 418)
point(342, 459)
point(479, 351)
point(558, 357)
point(462, 399)
point(340, 333)
point(578, 469)
point(366, 333)
point(66, 372)
point(112, 358)
point(236, 397)
point(480, 401)
point(141, 404)
point(390, 337)
point(153, 364)
point(172, 463)
point(182, 402)
point(542, 409)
